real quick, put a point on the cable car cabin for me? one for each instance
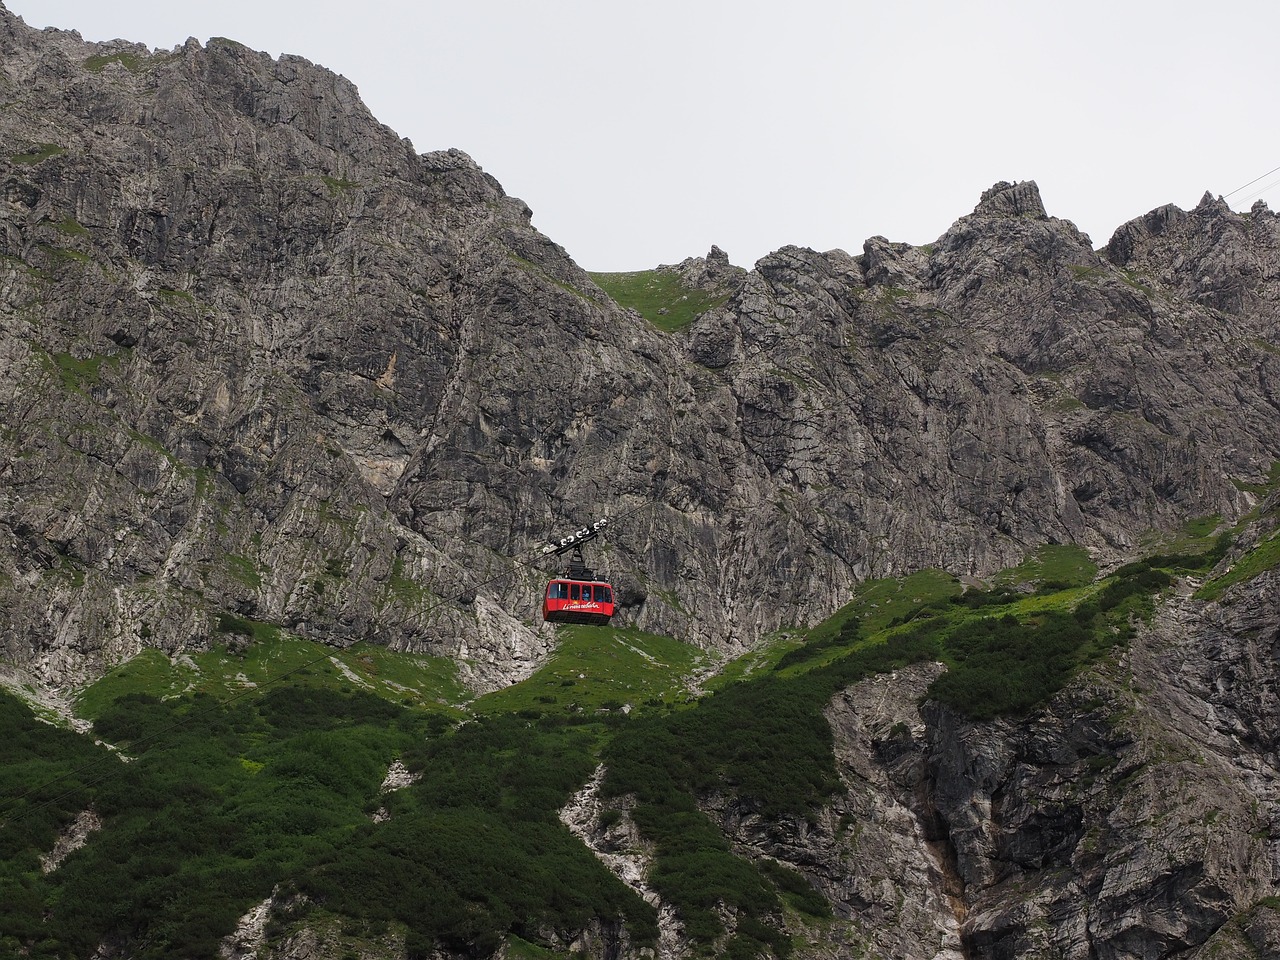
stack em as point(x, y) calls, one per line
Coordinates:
point(578, 601)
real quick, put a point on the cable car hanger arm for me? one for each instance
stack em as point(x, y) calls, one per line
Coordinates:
point(575, 539)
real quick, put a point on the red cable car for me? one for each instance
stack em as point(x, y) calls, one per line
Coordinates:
point(578, 601)
point(578, 597)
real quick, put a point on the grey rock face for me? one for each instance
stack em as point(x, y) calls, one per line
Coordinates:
point(260, 357)
point(268, 362)
point(1135, 817)
point(1209, 255)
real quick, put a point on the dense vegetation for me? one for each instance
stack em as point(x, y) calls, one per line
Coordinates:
point(221, 802)
point(44, 777)
point(232, 793)
point(765, 745)
point(476, 851)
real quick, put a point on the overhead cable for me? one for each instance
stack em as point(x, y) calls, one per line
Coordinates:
point(1251, 183)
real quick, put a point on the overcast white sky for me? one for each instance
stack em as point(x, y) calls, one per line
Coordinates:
point(642, 133)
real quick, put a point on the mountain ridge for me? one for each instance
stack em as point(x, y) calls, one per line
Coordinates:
point(401, 356)
point(302, 273)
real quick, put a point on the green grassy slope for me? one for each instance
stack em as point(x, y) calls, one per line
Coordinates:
point(658, 296)
point(258, 771)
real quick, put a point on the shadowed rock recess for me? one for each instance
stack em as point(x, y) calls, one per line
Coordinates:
point(264, 363)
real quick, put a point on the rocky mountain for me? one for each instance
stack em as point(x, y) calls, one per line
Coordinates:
point(266, 366)
point(266, 360)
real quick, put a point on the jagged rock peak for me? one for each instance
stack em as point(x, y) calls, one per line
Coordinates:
point(712, 272)
point(1211, 254)
point(1130, 236)
point(1012, 200)
point(1210, 202)
point(1211, 216)
point(889, 264)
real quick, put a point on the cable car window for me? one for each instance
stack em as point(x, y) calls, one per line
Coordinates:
point(573, 591)
point(604, 594)
point(557, 591)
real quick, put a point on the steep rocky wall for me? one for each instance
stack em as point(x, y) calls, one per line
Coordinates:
point(238, 312)
point(267, 361)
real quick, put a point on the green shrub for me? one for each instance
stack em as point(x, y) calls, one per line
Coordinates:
point(1132, 581)
point(224, 801)
point(975, 599)
point(796, 890)
point(848, 635)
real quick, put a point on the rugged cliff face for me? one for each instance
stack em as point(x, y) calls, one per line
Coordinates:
point(267, 361)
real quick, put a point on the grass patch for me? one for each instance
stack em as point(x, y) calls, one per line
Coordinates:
point(65, 255)
point(155, 446)
point(761, 660)
point(658, 296)
point(71, 227)
point(1265, 556)
point(244, 570)
point(796, 891)
point(877, 604)
point(78, 374)
point(150, 672)
point(1065, 565)
point(520, 949)
point(889, 295)
point(42, 152)
point(423, 682)
point(339, 185)
point(405, 590)
point(99, 62)
point(1200, 531)
point(1263, 489)
point(1067, 404)
point(257, 630)
point(601, 670)
point(1138, 282)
